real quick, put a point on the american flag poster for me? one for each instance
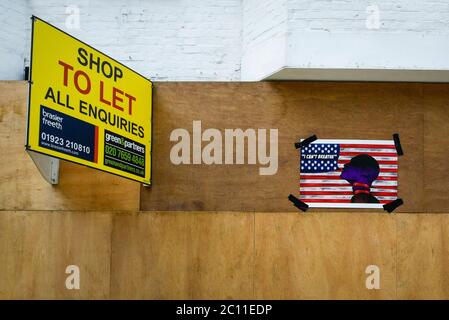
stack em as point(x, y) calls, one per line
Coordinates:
point(348, 173)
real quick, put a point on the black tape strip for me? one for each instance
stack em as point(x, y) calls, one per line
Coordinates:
point(397, 144)
point(298, 203)
point(305, 142)
point(391, 206)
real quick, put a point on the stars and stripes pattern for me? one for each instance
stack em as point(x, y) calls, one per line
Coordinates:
point(321, 164)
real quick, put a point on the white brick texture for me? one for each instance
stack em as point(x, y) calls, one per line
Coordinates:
point(209, 39)
point(14, 19)
point(163, 40)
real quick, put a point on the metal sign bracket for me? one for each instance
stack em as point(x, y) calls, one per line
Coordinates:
point(48, 166)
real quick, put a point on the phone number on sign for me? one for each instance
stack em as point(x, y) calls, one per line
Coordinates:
point(64, 143)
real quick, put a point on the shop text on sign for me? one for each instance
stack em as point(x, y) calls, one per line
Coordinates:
point(87, 108)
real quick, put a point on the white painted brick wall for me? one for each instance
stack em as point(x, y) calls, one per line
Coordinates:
point(164, 40)
point(349, 16)
point(333, 34)
point(213, 39)
point(263, 19)
point(14, 18)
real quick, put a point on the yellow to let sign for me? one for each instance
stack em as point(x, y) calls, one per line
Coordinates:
point(86, 107)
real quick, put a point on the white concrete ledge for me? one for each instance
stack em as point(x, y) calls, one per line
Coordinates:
point(349, 57)
point(392, 75)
